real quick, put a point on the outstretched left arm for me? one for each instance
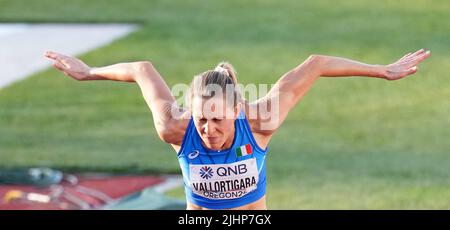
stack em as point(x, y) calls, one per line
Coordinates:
point(341, 67)
point(293, 85)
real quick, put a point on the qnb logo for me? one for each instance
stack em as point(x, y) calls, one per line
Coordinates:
point(229, 171)
point(206, 172)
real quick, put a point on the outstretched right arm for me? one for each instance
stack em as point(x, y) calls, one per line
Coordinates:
point(154, 89)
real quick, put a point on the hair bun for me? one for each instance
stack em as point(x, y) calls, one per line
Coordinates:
point(227, 69)
point(222, 70)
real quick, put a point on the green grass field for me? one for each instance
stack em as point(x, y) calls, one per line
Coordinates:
point(352, 143)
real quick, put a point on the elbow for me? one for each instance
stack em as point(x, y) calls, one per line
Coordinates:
point(164, 136)
point(141, 69)
point(311, 66)
point(316, 59)
point(315, 63)
point(166, 133)
point(143, 66)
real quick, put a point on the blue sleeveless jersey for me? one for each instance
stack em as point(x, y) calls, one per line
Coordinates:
point(227, 178)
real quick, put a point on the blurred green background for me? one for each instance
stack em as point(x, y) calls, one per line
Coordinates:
point(352, 143)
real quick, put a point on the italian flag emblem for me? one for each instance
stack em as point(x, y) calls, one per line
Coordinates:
point(244, 150)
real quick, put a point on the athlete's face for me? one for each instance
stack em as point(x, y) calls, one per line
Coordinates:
point(214, 121)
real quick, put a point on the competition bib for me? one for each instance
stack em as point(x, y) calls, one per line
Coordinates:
point(224, 181)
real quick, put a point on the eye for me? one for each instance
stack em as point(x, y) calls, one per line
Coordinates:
point(217, 120)
point(202, 120)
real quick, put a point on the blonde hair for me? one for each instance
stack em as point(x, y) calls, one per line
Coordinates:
point(224, 76)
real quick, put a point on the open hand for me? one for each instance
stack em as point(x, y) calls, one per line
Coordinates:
point(70, 66)
point(406, 65)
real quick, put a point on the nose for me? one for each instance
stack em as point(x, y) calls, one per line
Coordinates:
point(209, 128)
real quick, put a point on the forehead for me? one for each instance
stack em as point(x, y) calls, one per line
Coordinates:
point(210, 107)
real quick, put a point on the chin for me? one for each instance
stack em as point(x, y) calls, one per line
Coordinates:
point(213, 146)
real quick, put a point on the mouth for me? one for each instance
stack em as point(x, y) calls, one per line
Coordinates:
point(212, 139)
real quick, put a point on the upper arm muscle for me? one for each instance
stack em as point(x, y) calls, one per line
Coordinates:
point(273, 108)
point(169, 119)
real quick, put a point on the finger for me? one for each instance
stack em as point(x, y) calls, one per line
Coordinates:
point(418, 52)
point(412, 70)
point(50, 54)
point(401, 74)
point(65, 62)
point(416, 60)
point(404, 57)
point(54, 55)
point(408, 72)
point(59, 66)
point(415, 54)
